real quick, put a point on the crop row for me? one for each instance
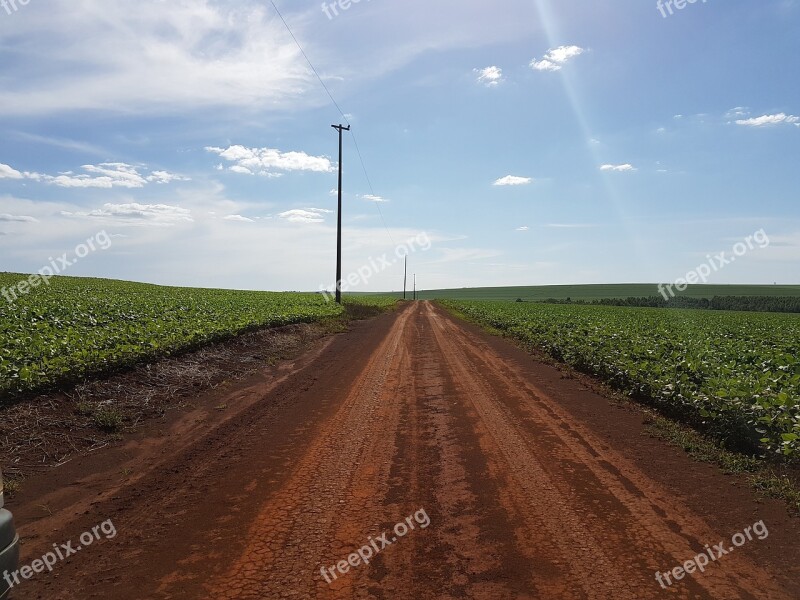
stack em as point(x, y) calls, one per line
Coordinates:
point(75, 328)
point(736, 374)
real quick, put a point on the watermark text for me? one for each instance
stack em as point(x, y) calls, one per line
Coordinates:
point(712, 554)
point(376, 545)
point(99, 241)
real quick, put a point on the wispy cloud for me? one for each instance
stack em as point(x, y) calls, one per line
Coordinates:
point(133, 213)
point(523, 228)
point(556, 58)
point(490, 76)
point(451, 255)
point(305, 215)
point(67, 144)
point(513, 180)
point(165, 177)
point(6, 218)
point(265, 161)
point(372, 198)
point(618, 168)
point(767, 120)
point(104, 175)
point(238, 219)
point(169, 56)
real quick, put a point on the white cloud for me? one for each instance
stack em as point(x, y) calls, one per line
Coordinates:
point(523, 228)
point(241, 170)
point(264, 161)
point(238, 218)
point(513, 180)
point(160, 55)
point(766, 120)
point(165, 177)
point(104, 175)
point(181, 56)
point(618, 168)
point(4, 217)
point(556, 58)
point(7, 172)
point(490, 76)
point(371, 198)
point(305, 215)
point(134, 213)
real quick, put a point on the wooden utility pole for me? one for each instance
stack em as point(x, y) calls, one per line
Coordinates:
point(340, 128)
point(405, 279)
point(415, 286)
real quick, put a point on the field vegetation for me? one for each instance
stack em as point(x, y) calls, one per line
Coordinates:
point(75, 328)
point(736, 375)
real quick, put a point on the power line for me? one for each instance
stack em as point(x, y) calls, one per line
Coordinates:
point(344, 116)
point(310, 64)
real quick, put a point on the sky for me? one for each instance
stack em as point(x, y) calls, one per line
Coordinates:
point(516, 142)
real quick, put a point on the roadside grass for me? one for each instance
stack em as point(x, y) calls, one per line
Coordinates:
point(108, 420)
point(768, 479)
point(12, 485)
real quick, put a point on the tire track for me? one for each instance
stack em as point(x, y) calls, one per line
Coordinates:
point(623, 522)
point(299, 529)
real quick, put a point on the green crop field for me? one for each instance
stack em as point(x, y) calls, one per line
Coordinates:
point(74, 328)
point(600, 292)
point(737, 374)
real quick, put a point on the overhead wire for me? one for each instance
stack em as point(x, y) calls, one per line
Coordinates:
point(374, 196)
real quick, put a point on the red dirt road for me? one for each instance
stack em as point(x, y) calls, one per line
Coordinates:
point(534, 487)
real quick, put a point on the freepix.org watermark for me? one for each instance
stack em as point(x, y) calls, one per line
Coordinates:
point(376, 545)
point(12, 6)
point(332, 9)
point(363, 274)
point(715, 263)
point(712, 554)
point(60, 552)
point(667, 8)
point(99, 241)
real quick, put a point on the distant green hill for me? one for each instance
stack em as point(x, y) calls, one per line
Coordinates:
point(599, 292)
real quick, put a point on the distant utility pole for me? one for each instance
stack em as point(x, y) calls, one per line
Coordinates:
point(340, 128)
point(415, 286)
point(405, 279)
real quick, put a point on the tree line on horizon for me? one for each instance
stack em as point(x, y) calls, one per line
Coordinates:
point(777, 304)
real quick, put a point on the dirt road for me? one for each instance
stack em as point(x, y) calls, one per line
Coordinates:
point(508, 480)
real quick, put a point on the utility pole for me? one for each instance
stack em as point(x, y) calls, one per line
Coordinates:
point(415, 287)
point(340, 128)
point(405, 278)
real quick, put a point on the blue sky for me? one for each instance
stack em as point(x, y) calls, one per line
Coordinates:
point(532, 142)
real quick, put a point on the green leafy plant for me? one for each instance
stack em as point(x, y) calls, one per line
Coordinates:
point(736, 375)
point(75, 328)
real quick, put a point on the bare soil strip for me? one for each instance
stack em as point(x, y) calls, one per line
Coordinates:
point(535, 488)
